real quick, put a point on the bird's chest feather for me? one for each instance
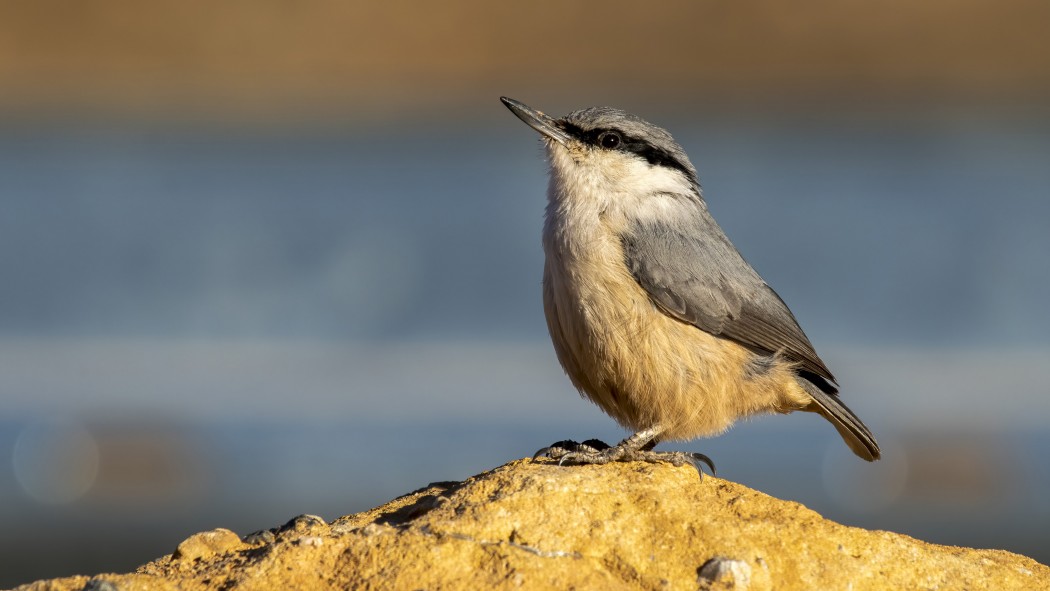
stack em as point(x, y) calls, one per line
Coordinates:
point(587, 282)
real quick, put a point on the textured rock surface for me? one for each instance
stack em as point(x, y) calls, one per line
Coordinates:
point(540, 526)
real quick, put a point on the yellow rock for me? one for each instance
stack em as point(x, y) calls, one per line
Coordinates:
point(206, 544)
point(535, 525)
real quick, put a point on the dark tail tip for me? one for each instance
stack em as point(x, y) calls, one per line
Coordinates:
point(853, 431)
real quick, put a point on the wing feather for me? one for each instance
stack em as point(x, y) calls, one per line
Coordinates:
point(693, 273)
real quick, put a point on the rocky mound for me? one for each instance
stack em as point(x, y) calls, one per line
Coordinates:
point(536, 525)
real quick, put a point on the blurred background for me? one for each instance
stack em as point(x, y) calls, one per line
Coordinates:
point(263, 258)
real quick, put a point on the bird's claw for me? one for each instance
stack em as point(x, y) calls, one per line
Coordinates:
point(699, 460)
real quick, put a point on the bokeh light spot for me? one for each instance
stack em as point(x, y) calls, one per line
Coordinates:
point(55, 461)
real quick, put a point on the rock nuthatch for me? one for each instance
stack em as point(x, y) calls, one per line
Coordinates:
point(654, 315)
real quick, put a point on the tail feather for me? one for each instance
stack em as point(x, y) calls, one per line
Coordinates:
point(854, 432)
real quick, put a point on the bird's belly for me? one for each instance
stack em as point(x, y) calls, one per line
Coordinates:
point(641, 366)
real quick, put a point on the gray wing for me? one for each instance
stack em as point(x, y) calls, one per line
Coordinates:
point(693, 273)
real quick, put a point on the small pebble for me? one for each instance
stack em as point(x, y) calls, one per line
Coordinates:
point(310, 541)
point(724, 573)
point(303, 525)
point(374, 529)
point(207, 543)
point(259, 538)
point(100, 585)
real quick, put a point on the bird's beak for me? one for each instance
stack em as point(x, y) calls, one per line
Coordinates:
point(537, 120)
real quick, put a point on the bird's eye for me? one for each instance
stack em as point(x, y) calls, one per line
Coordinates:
point(609, 140)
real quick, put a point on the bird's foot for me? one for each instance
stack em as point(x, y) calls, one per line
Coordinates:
point(556, 451)
point(594, 451)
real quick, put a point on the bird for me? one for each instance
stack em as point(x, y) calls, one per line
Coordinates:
point(653, 313)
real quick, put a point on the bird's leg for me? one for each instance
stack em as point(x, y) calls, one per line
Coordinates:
point(636, 448)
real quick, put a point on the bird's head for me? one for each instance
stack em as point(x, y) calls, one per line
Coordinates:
point(611, 151)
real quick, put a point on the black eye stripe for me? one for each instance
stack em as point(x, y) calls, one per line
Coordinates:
point(652, 154)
